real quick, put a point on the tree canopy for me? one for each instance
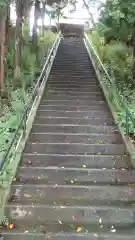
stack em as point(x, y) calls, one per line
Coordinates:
point(118, 16)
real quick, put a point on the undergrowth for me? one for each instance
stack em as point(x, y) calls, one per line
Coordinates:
point(12, 109)
point(117, 59)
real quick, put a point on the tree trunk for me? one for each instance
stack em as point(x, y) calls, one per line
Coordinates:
point(58, 16)
point(18, 38)
point(50, 21)
point(133, 44)
point(89, 12)
point(58, 19)
point(43, 16)
point(34, 35)
point(7, 37)
point(2, 48)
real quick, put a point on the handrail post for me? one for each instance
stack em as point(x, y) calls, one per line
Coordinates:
point(25, 122)
point(127, 123)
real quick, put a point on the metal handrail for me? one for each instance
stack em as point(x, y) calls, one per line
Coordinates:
point(22, 124)
point(128, 115)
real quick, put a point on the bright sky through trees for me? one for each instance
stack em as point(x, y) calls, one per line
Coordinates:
point(79, 16)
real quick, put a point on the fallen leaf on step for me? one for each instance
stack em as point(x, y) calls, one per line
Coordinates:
point(27, 195)
point(79, 229)
point(84, 166)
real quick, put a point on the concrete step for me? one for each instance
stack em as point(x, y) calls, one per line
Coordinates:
point(80, 176)
point(73, 98)
point(72, 161)
point(80, 91)
point(71, 74)
point(70, 48)
point(75, 148)
point(38, 214)
point(72, 81)
point(72, 194)
point(25, 235)
point(72, 85)
point(72, 52)
point(72, 71)
point(75, 82)
point(72, 56)
point(68, 54)
point(75, 73)
point(73, 128)
point(76, 121)
point(72, 108)
point(73, 92)
point(74, 78)
point(74, 114)
point(75, 59)
point(74, 67)
point(86, 103)
point(84, 138)
point(75, 62)
point(74, 88)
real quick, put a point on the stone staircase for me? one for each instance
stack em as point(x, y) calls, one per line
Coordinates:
point(75, 180)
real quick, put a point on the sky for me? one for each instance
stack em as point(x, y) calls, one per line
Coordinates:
point(79, 16)
point(81, 12)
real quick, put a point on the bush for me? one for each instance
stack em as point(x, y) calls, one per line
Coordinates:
point(117, 59)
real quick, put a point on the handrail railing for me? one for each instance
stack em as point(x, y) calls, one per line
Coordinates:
point(34, 94)
point(128, 115)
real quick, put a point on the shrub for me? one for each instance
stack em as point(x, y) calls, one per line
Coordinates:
point(117, 58)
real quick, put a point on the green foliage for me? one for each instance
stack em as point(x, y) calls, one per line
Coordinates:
point(98, 43)
point(28, 67)
point(3, 3)
point(10, 57)
point(45, 43)
point(19, 94)
point(118, 17)
point(10, 121)
point(117, 59)
point(121, 119)
point(26, 32)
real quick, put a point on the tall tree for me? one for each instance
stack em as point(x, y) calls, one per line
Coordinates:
point(87, 6)
point(34, 34)
point(43, 11)
point(18, 37)
point(7, 33)
point(3, 36)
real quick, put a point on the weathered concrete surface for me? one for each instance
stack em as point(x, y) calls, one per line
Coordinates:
point(75, 179)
